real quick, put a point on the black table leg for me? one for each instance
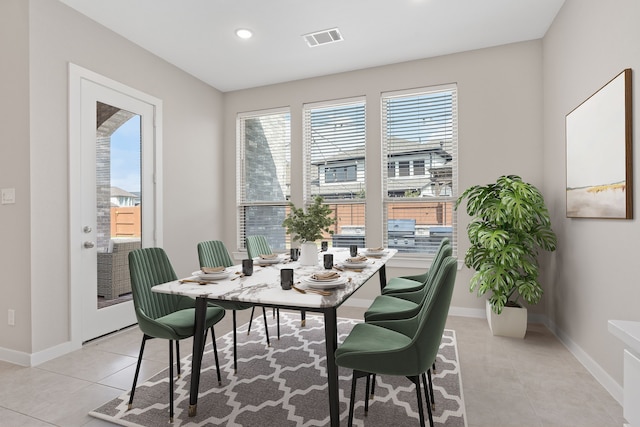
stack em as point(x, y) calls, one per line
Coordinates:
point(198, 345)
point(331, 337)
point(383, 277)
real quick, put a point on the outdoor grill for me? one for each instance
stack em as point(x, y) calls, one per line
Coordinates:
point(402, 234)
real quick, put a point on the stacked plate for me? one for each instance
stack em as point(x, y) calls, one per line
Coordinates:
point(357, 262)
point(216, 275)
point(264, 260)
point(319, 282)
point(374, 252)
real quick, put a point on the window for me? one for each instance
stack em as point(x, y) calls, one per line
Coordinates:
point(334, 139)
point(419, 141)
point(264, 179)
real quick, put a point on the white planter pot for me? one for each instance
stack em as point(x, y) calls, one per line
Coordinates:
point(512, 322)
point(308, 254)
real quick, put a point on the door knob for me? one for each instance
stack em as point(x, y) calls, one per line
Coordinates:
point(89, 245)
point(87, 229)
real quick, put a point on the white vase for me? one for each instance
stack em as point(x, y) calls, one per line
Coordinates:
point(512, 322)
point(308, 254)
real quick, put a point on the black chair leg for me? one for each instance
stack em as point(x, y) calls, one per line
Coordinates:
point(266, 327)
point(353, 398)
point(373, 386)
point(303, 318)
point(416, 380)
point(433, 399)
point(178, 357)
point(366, 396)
point(235, 344)
point(428, 393)
point(215, 355)
point(135, 377)
point(278, 326)
point(253, 309)
point(171, 381)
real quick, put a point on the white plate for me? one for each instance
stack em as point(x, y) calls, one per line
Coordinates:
point(375, 253)
point(212, 276)
point(324, 284)
point(266, 261)
point(355, 264)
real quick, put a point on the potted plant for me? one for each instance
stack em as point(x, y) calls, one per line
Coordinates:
point(510, 223)
point(309, 226)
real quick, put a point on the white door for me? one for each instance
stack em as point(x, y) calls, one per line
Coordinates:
point(114, 202)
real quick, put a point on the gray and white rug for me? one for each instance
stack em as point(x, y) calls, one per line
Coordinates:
point(284, 385)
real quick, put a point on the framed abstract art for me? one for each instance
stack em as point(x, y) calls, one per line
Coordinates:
point(599, 161)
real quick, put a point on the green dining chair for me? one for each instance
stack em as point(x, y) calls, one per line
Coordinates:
point(213, 253)
point(404, 347)
point(413, 283)
point(165, 316)
point(403, 305)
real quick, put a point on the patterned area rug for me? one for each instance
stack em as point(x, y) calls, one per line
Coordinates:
point(284, 385)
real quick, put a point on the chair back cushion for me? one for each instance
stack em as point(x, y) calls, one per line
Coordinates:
point(213, 253)
point(149, 267)
point(257, 245)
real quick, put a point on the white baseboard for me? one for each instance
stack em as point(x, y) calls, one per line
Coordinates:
point(33, 359)
point(614, 389)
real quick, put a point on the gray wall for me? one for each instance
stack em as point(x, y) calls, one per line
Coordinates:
point(591, 278)
point(15, 229)
point(39, 39)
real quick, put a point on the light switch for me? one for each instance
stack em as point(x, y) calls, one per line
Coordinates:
point(8, 195)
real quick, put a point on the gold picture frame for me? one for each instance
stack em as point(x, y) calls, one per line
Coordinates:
point(599, 146)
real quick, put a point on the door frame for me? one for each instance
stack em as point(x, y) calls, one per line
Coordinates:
point(77, 75)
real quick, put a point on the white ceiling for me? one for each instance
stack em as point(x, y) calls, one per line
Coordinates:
point(198, 35)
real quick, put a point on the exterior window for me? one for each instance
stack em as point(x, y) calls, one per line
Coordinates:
point(340, 174)
point(264, 179)
point(334, 143)
point(419, 132)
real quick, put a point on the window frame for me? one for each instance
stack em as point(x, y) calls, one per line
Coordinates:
point(386, 167)
point(242, 203)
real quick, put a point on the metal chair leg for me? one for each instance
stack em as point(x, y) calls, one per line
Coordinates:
point(171, 381)
point(433, 399)
point(135, 377)
point(352, 399)
point(253, 309)
point(215, 355)
point(235, 344)
point(266, 327)
point(178, 357)
point(416, 380)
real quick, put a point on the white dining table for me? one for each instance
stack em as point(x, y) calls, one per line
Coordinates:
point(263, 288)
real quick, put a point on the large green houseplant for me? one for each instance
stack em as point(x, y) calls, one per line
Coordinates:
point(510, 223)
point(309, 226)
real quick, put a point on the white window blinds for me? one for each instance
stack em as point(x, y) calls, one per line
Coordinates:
point(264, 178)
point(419, 132)
point(334, 138)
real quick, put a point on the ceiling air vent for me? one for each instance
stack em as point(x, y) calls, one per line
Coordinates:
point(323, 37)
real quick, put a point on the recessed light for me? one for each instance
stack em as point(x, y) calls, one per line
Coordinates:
point(244, 33)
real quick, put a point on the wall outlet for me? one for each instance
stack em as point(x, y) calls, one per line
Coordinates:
point(11, 317)
point(7, 196)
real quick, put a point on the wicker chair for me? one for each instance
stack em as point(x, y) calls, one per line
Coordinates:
point(113, 269)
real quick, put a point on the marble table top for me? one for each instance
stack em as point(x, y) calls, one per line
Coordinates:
point(263, 287)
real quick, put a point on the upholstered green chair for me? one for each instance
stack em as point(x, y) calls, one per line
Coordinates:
point(405, 347)
point(165, 316)
point(403, 305)
point(413, 283)
point(213, 253)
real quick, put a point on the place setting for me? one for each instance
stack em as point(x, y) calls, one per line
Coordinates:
point(264, 260)
point(207, 276)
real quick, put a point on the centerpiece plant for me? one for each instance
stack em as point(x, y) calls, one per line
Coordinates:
point(309, 226)
point(510, 224)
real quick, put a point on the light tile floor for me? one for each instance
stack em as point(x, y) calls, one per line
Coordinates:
point(533, 382)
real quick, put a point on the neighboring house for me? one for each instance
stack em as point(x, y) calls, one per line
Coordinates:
point(122, 198)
